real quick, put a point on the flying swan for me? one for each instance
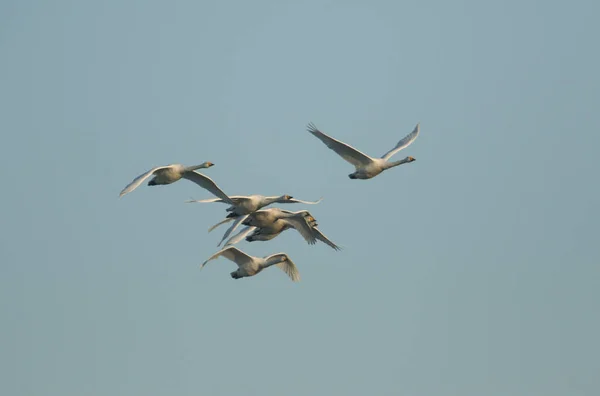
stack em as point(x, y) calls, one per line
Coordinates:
point(366, 167)
point(271, 230)
point(274, 220)
point(171, 173)
point(250, 266)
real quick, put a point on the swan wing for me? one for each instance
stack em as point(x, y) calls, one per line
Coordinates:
point(208, 184)
point(240, 235)
point(345, 151)
point(294, 200)
point(403, 143)
point(227, 220)
point(232, 253)
point(205, 200)
point(287, 266)
point(140, 179)
point(235, 225)
point(234, 198)
point(321, 237)
point(300, 224)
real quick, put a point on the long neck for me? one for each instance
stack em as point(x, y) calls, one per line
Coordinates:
point(391, 164)
point(270, 200)
point(193, 168)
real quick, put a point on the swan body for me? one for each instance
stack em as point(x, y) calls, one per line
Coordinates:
point(271, 230)
point(366, 167)
point(250, 266)
point(169, 174)
point(275, 220)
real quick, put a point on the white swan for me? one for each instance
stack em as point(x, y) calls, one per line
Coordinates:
point(250, 266)
point(243, 205)
point(252, 233)
point(275, 220)
point(171, 173)
point(366, 167)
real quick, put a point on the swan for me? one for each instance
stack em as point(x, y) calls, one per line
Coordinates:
point(171, 173)
point(252, 233)
point(240, 219)
point(243, 205)
point(275, 220)
point(250, 266)
point(366, 167)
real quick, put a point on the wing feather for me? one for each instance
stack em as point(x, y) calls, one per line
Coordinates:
point(403, 143)
point(294, 200)
point(140, 179)
point(345, 151)
point(321, 237)
point(287, 266)
point(235, 225)
point(227, 220)
point(208, 184)
point(205, 200)
point(240, 235)
point(232, 253)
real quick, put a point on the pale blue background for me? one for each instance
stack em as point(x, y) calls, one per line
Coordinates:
point(472, 271)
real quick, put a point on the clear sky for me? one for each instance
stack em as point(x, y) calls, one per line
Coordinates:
point(472, 271)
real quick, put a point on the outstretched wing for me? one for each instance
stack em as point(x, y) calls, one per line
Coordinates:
point(140, 179)
point(240, 235)
point(294, 200)
point(404, 142)
point(227, 220)
point(233, 198)
point(287, 266)
point(205, 200)
point(232, 253)
point(235, 225)
point(208, 184)
point(321, 237)
point(345, 151)
point(300, 224)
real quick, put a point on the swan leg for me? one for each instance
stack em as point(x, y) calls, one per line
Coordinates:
point(235, 275)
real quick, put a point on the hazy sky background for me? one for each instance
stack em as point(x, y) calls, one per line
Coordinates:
point(472, 271)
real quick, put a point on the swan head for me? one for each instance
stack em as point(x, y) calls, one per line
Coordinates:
point(410, 159)
point(208, 164)
point(287, 197)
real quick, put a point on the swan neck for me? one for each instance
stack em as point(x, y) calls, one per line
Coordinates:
point(193, 168)
point(391, 164)
point(270, 200)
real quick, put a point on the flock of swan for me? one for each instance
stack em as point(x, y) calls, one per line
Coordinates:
point(265, 224)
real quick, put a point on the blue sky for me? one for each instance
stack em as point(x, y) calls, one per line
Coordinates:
point(473, 270)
